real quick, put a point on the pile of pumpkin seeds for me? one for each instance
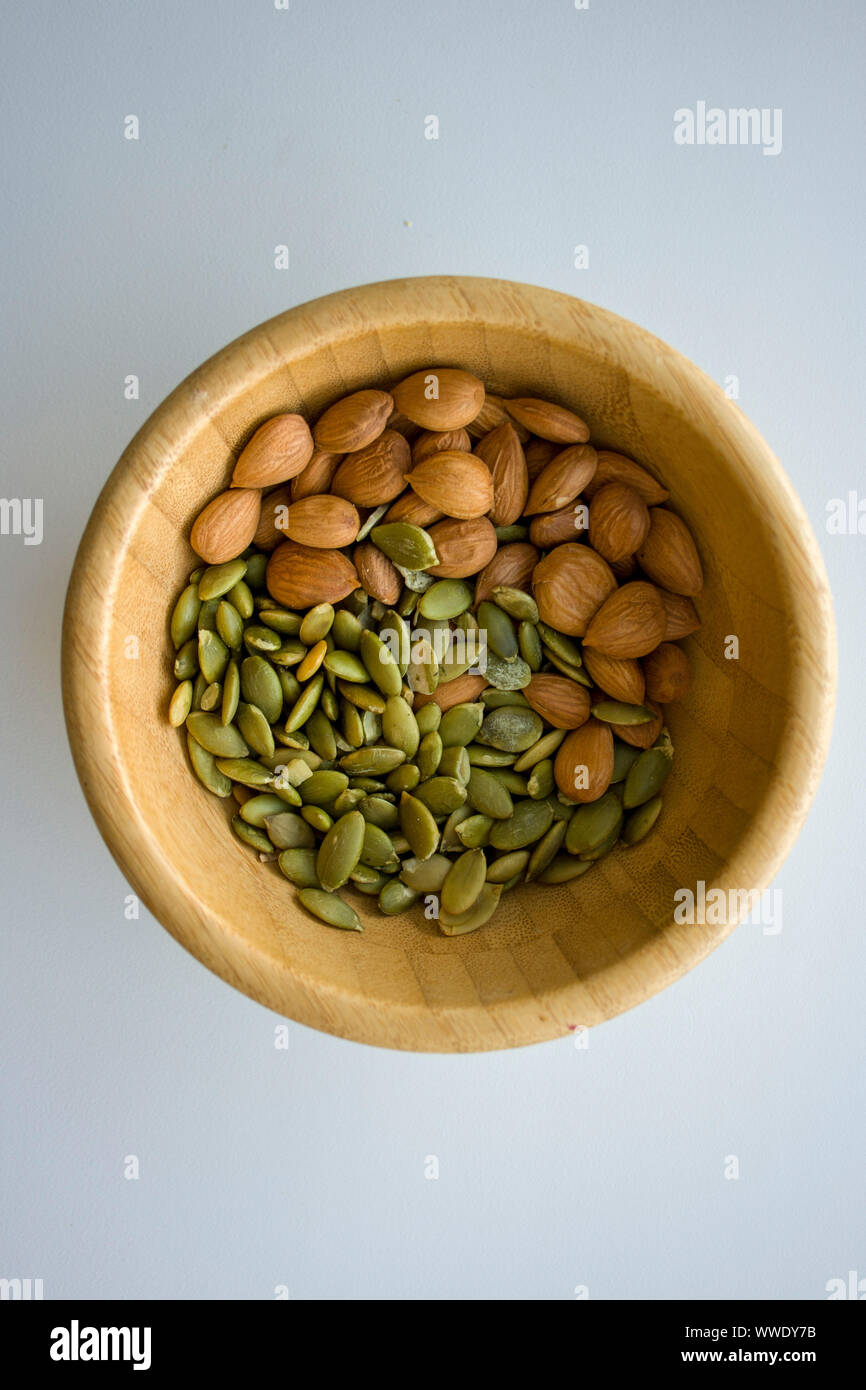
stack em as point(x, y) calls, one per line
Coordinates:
point(307, 721)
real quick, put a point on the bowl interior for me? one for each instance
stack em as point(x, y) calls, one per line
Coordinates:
point(747, 753)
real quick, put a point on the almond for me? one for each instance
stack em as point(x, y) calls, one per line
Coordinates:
point(410, 507)
point(538, 453)
point(616, 468)
point(462, 690)
point(491, 415)
point(372, 476)
point(560, 481)
point(502, 452)
point(272, 521)
point(620, 678)
point(464, 547)
point(376, 573)
point(458, 484)
point(667, 673)
point(278, 450)
point(512, 565)
point(548, 421)
point(618, 521)
point(227, 525)
point(668, 555)
point(562, 702)
point(403, 425)
point(300, 576)
point(552, 528)
point(584, 762)
point(323, 521)
point(440, 398)
point(631, 622)
point(641, 735)
point(570, 584)
point(681, 616)
point(430, 442)
point(354, 422)
point(317, 476)
point(624, 569)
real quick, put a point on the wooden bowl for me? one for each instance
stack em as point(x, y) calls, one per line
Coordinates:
point(750, 739)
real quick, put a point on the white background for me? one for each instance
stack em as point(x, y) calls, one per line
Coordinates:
point(305, 1167)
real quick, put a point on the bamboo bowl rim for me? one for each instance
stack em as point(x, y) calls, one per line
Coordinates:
point(334, 321)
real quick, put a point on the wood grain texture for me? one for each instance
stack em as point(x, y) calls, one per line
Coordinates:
point(751, 737)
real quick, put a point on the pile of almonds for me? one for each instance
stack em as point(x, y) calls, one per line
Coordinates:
point(391, 493)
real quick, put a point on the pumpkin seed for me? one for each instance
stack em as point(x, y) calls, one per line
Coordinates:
point(416, 580)
point(318, 818)
point(378, 849)
point(497, 699)
point(287, 830)
point(372, 520)
point(564, 868)
point(530, 647)
point(330, 908)
point(369, 785)
point(218, 579)
point(403, 779)
point(299, 867)
point(352, 725)
point(544, 748)
point(489, 797)
point(346, 665)
point(447, 598)
point(289, 684)
point(615, 712)
point(251, 836)
point(322, 787)
point(545, 850)
point(364, 697)
point(508, 866)
point(207, 615)
point(255, 729)
point(405, 545)
point(205, 768)
point(531, 820)
point(640, 822)
point(377, 810)
point(184, 618)
point(449, 838)
point(261, 639)
point(501, 635)
point(331, 707)
point(399, 726)
point(312, 661)
point(379, 661)
point(516, 603)
point(305, 703)
point(230, 625)
point(419, 826)
point(592, 823)
point(481, 755)
point(574, 673)
point(511, 729)
point(455, 763)
point(463, 882)
point(507, 675)
point(281, 620)
point(260, 686)
point(560, 645)
point(541, 782)
point(478, 914)
point(396, 897)
point(246, 771)
point(429, 718)
point(592, 855)
point(255, 575)
point(441, 794)
point(256, 809)
point(505, 534)
point(186, 661)
point(181, 704)
point(294, 772)
point(395, 633)
point(423, 672)
point(508, 778)
point(213, 655)
point(460, 724)
point(340, 850)
point(346, 630)
point(474, 831)
point(367, 761)
point(291, 652)
point(316, 624)
point(427, 875)
point(321, 735)
point(348, 800)
point(240, 598)
point(223, 742)
point(429, 755)
point(287, 794)
point(648, 773)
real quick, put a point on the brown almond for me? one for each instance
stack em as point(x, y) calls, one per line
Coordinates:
point(502, 452)
point(681, 616)
point(372, 476)
point(669, 555)
point(562, 702)
point(410, 507)
point(227, 525)
point(317, 476)
point(512, 566)
point(667, 673)
point(491, 415)
point(430, 442)
point(618, 521)
point(300, 576)
point(624, 569)
point(570, 584)
point(464, 546)
point(584, 762)
point(403, 425)
point(641, 735)
point(562, 479)
point(458, 484)
point(376, 573)
point(631, 622)
point(272, 520)
point(620, 678)
point(617, 468)
point(462, 690)
point(553, 528)
point(440, 398)
point(538, 453)
point(548, 421)
point(353, 422)
point(323, 521)
point(278, 450)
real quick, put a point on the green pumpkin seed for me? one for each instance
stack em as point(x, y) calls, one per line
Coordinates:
point(501, 636)
point(258, 808)
point(416, 580)
point(593, 855)
point(241, 599)
point(352, 725)
point(489, 797)
point(481, 755)
point(508, 866)
point(371, 761)
point(427, 875)
point(223, 742)
point(560, 645)
point(372, 726)
point(531, 820)
point(648, 773)
point(560, 807)
point(340, 850)
point(299, 867)
point(574, 673)
point(255, 729)
point(378, 849)
point(198, 689)
point(291, 652)
point(516, 603)
point(429, 755)
point(449, 838)
point(321, 735)
point(403, 779)
point(213, 655)
point(205, 768)
point(423, 672)
point(530, 647)
point(347, 666)
point(287, 794)
point(545, 850)
point(405, 545)
point(511, 729)
point(419, 826)
point(218, 579)
point(211, 697)
point(262, 639)
point(369, 785)
point(640, 822)
point(478, 914)
point(441, 794)
point(615, 712)
point(348, 800)
point(207, 615)
point(260, 686)
point(543, 749)
point(305, 704)
point(256, 839)
point(246, 771)
point(395, 633)
point(346, 631)
point(509, 779)
point(294, 772)
point(396, 897)
point(377, 810)
point(592, 823)
point(463, 882)
point(281, 620)
point(364, 697)
point(378, 660)
point(330, 908)
point(429, 718)
point(474, 831)
point(322, 787)
point(289, 684)
point(460, 724)
point(230, 625)
point(256, 567)
point(498, 699)
point(507, 675)
point(399, 726)
point(541, 781)
point(331, 707)
point(455, 763)
point(564, 868)
point(181, 704)
point(316, 624)
point(447, 598)
point(186, 661)
point(184, 618)
point(318, 818)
